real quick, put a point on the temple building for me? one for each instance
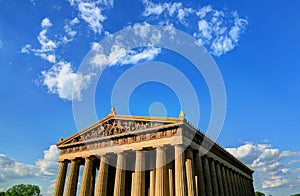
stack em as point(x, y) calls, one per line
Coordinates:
point(144, 155)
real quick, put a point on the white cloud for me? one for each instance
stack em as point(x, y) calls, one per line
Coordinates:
point(294, 161)
point(48, 46)
point(275, 181)
point(46, 23)
point(101, 60)
point(172, 9)
point(136, 57)
point(62, 80)
point(10, 169)
point(43, 171)
point(202, 12)
point(153, 9)
point(218, 30)
point(269, 164)
point(142, 30)
point(91, 12)
point(26, 49)
point(205, 29)
point(120, 56)
point(74, 21)
point(69, 32)
point(48, 165)
point(92, 15)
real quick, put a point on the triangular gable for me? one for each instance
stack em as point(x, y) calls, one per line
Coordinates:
point(114, 125)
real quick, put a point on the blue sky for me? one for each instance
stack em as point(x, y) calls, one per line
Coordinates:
point(254, 43)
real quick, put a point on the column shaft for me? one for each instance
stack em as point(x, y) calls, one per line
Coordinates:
point(225, 181)
point(139, 174)
point(240, 184)
point(207, 180)
point(179, 171)
point(171, 184)
point(159, 172)
point(152, 182)
point(119, 189)
point(233, 183)
point(72, 178)
point(229, 181)
point(252, 188)
point(199, 175)
point(101, 184)
point(214, 177)
point(85, 189)
point(189, 172)
point(220, 180)
point(61, 178)
point(238, 187)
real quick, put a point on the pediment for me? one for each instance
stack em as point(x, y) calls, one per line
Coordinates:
point(117, 125)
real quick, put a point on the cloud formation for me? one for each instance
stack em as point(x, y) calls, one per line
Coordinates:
point(269, 163)
point(48, 165)
point(121, 56)
point(48, 46)
point(46, 168)
point(91, 12)
point(218, 30)
point(61, 79)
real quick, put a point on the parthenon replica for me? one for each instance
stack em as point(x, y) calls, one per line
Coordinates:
point(154, 156)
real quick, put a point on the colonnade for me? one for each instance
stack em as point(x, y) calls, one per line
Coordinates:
point(191, 173)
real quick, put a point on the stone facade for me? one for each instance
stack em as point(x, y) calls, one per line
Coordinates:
point(137, 155)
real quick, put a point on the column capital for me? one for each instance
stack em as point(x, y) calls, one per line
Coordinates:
point(90, 157)
point(181, 145)
point(164, 147)
point(64, 161)
point(189, 153)
point(124, 153)
point(77, 160)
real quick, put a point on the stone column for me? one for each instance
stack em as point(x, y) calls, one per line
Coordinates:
point(85, 189)
point(189, 172)
point(171, 184)
point(238, 187)
point(179, 171)
point(93, 179)
point(101, 184)
point(159, 172)
point(244, 192)
point(139, 174)
point(252, 192)
point(225, 180)
point(132, 184)
point(152, 177)
point(229, 181)
point(220, 180)
point(207, 180)
point(61, 178)
point(247, 186)
point(233, 182)
point(213, 176)
point(72, 178)
point(199, 177)
point(119, 189)
point(240, 184)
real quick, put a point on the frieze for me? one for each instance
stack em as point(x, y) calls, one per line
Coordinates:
point(120, 141)
point(115, 127)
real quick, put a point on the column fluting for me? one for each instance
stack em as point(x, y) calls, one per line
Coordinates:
point(61, 178)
